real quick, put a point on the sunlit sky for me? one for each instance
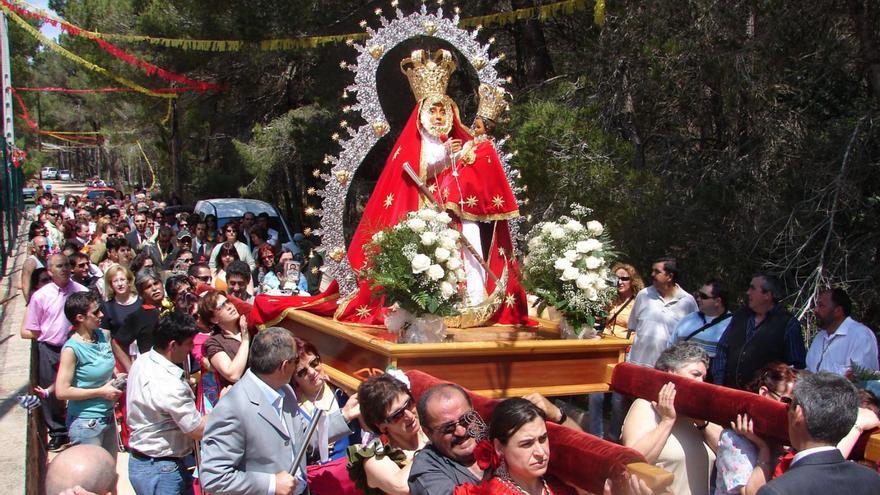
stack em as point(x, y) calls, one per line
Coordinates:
point(47, 29)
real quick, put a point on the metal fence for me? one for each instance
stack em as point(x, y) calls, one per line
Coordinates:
point(12, 204)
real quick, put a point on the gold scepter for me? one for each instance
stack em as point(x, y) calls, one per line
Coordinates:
point(439, 207)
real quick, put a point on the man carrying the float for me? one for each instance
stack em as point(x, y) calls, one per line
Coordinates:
point(429, 144)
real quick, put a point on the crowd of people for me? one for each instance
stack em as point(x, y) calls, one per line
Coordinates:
point(144, 346)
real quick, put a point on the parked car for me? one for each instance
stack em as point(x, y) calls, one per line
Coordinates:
point(64, 175)
point(49, 173)
point(93, 193)
point(226, 209)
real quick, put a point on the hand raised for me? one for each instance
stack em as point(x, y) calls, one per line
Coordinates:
point(665, 404)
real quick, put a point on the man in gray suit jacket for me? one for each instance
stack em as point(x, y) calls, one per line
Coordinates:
point(255, 430)
point(822, 412)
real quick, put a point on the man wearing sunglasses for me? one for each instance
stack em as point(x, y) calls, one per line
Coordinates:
point(450, 422)
point(39, 248)
point(706, 326)
point(823, 410)
point(254, 433)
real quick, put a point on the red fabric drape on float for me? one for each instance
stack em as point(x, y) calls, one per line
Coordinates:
point(700, 400)
point(394, 196)
point(576, 458)
point(269, 310)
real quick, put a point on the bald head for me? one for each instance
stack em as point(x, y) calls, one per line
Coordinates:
point(88, 466)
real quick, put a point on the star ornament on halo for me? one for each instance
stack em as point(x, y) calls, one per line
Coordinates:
point(389, 200)
point(363, 311)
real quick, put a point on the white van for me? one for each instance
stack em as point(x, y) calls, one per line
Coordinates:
point(226, 209)
point(49, 173)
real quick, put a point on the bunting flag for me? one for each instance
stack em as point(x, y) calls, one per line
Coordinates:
point(114, 50)
point(76, 58)
point(542, 13)
point(97, 90)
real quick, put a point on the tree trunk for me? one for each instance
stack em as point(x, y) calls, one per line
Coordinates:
point(175, 151)
point(859, 12)
point(532, 46)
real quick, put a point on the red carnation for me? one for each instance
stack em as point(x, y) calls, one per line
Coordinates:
point(444, 138)
point(486, 455)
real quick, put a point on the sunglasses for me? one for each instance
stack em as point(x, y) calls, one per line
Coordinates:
point(397, 415)
point(313, 364)
point(624, 279)
point(703, 295)
point(206, 279)
point(788, 401)
point(84, 264)
point(185, 260)
point(449, 428)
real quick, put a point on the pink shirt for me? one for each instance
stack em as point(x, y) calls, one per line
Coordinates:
point(46, 312)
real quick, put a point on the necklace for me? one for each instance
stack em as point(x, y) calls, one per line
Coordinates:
point(88, 340)
point(514, 485)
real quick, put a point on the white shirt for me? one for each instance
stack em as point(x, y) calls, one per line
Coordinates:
point(276, 399)
point(852, 341)
point(803, 453)
point(653, 320)
point(161, 408)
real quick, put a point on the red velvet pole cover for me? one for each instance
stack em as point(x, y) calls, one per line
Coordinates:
point(700, 400)
point(576, 458)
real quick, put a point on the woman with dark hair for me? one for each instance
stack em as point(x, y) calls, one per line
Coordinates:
point(681, 445)
point(389, 411)
point(35, 229)
point(740, 451)
point(227, 349)
point(39, 277)
point(313, 391)
point(515, 457)
point(224, 254)
point(144, 261)
point(265, 265)
point(211, 227)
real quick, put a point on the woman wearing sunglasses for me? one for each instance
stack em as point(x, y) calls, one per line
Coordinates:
point(313, 391)
point(227, 349)
point(388, 410)
point(224, 255)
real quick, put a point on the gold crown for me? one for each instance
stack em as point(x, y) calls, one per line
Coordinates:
point(492, 102)
point(428, 76)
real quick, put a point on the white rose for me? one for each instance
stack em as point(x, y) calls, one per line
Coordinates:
point(594, 244)
point(443, 218)
point(595, 227)
point(592, 294)
point(416, 224)
point(447, 243)
point(562, 264)
point(574, 226)
point(446, 290)
point(582, 282)
point(441, 254)
point(570, 273)
point(535, 242)
point(450, 234)
point(548, 227)
point(420, 263)
point(601, 284)
point(593, 262)
point(582, 247)
point(557, 233)
point(571, 255)
point(429, 238)
point(427, 215)
point(453, 263)
point(435, 272)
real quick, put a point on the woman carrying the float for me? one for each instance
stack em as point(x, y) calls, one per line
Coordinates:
point(429, 140)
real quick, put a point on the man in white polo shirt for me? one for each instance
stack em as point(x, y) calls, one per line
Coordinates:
point(841, 340)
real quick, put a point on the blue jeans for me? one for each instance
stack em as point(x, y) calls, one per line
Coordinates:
point(159, 476)
point(94, 431)
point(597, 415)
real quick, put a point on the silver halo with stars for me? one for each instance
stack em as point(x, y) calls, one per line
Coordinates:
point(359, 141)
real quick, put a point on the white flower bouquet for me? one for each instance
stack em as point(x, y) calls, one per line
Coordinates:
point(567, 267)
point(417, 264)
